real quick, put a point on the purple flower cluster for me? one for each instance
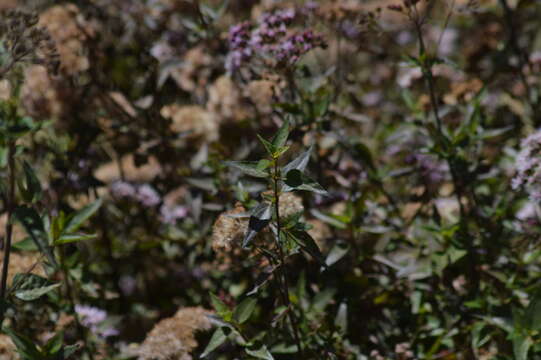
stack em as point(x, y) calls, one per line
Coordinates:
point(431, 170)
point(271, 39)
point(170, 214)
point(94, 319)
point(528, 166)
point(147, 196)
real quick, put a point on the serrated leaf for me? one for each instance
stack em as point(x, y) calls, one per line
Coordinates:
point(261, 353)
point(259, 219)
point(25, 347)
point(28, 287)
point(248, 167)
point(33, 226)
point(217, 339)
point(308, 244)
point(221, 309)
point(295, 180)
point(75, 221)
point(280, 137)
point(268, 146)
point(244, 310)
point(33, 185)
point(299, 163)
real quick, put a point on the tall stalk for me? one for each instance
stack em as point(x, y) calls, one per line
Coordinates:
point(10, 206)
point(283, 270)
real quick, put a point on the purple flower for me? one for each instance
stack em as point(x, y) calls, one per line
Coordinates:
point(170, 214)
point(147, 195)
point(122, 189)
point(94, 318)
point(127, 284)
point(90, 316)
point(269, 37)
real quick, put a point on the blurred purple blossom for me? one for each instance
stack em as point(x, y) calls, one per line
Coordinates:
point(147, 195)
point(270, 37)
point(93, 318)
point(127, 284)
point(170, 214)
point(122, 189)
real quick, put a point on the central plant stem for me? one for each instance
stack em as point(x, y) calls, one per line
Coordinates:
point(284, 283)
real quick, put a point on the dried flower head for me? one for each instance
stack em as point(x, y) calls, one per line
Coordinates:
point(25, 42)
point(174, 338)
point(7, 348)
point(194, 120)
point(290, 204)
point(40, 97)
point(229, 229)
point(69, 31)
point(226, 101)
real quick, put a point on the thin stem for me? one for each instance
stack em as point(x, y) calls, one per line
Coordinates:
point(10, 206)
point(449, 152)
point(283, 270)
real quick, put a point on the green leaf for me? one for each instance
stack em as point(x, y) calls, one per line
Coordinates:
point(69, 350)
point(521, 346)
point(341, 319)
point(299, 163)
point(293, 178)
point(217, 339)
point(221, 309)
point(280, 138)
point(33, 225)
point(244, 310)
point(249, 168)
point(26, 244)
point(30, 186)
point(70, 238)
point(25, 347)
point(307, 243)
point(533, 312)
point(261, 353)
point(75, 222)
point(296, 180)
point(28, 287)
point(268, 146)
point(259, 219)
point(54, 345)
point(336, 253)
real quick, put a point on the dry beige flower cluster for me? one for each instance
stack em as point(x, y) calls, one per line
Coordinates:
point(193, 119)
point(7, 348)
point(45, 96)
point(69, 30)
point(228, 230)
point(227, 102)
point(174, 338)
